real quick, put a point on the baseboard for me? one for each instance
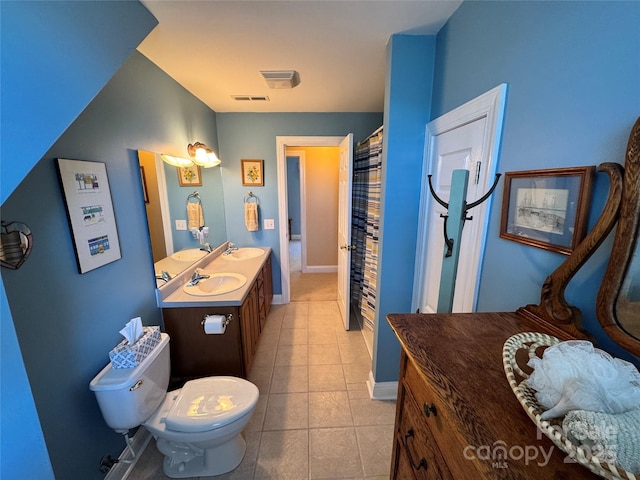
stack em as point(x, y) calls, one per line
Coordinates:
point(126, 463)
point(277, 299)
point(381, 390)
point(296, 237)
point(320, 269)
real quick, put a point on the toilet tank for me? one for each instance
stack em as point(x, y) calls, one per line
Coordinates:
point(128, 396)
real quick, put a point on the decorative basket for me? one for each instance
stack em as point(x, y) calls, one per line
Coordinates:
point(533, 343)
point(125, 355)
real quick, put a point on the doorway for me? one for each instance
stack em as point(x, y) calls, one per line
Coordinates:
point(283, 216)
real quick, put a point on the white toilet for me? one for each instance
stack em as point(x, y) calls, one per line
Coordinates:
point(197, 427)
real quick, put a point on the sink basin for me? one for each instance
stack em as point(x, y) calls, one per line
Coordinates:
point(245, 253)
point(188, 255)
point(217, 284)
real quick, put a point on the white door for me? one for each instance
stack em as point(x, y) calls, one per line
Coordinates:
point(465, 138)
point(344, 226)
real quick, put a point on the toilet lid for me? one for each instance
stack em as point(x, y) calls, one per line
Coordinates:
point(209, 403)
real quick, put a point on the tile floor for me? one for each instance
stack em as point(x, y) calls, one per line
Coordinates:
point(314, 419)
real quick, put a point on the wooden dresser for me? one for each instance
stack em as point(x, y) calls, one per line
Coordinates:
point(457, 417)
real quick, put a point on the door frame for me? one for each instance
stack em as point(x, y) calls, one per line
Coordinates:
point(489, 105)
point(282, 142)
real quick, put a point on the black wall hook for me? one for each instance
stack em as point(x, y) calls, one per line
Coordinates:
point(466, 207)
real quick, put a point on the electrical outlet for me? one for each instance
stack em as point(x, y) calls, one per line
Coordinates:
point(269, 224)
point(181, 224)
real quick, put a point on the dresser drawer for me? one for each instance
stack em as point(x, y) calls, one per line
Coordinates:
point(417, 444)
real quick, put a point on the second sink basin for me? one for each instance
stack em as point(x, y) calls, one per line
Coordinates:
point(245, 253)
point(217, 284)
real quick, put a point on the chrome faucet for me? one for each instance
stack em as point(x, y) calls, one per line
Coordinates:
point(206, 248)
point(230, 248)
point(164, 275)
point(195, 278)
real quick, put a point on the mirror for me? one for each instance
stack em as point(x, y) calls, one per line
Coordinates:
point(618, 306)
point(166, 194)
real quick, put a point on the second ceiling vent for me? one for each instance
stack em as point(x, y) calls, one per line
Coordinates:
point(280, 78)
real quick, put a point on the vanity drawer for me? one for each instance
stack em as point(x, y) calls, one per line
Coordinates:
point(416, 444)
point(434, 415)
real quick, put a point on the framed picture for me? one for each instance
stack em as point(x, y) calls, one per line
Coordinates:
point(547, 208)
point(189, 176)
point(252, 173)
point(87, 198)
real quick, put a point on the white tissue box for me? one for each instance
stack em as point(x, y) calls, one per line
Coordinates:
point(125, 355)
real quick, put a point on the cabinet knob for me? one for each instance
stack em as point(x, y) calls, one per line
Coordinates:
point(429, 409)
point(423, 462)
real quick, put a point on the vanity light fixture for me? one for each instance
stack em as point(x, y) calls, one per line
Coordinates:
point(176, 161)
point(203, 155)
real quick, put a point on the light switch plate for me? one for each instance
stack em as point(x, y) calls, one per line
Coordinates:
point(181, 224)
point(269, 224)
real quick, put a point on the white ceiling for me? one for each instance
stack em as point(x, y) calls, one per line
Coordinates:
point(215, 49)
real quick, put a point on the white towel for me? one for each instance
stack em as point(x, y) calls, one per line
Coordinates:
point(251, 216)
point(194, 215)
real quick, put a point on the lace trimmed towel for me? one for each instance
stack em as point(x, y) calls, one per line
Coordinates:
point(612, 438)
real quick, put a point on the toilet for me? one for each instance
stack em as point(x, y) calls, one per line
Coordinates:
point(197, 428)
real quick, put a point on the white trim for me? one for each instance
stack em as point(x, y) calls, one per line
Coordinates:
point(381, 390)
point(283, 213)
point(296, 237)
point(490, 105)
point(320, 269)
point(125, 465)
point(164, 204)
point(277, 300)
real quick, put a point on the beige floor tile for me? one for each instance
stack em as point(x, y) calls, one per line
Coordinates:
point(324, 308)
point(322, 336)
point(375, 444)
point(354, 353)
point(295, 320)
point(373, 412)
point(349, 337)
point(294, 336)
point(261, 377)
point(326, 321)
point(290, 379)
point(326, 378)
point(328, 354)
point(287, 411)
point(292, 355)
point(358, 390)
point(356, 372)
point(332, 454)
point(329, 409)
point(265, 356)
point(276, 311)
point(297, 308)
point(247, 467)
point(283, 455)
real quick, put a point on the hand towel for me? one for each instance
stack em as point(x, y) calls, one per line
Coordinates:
point(610, 437)
point(194, 216)
point(251, 216)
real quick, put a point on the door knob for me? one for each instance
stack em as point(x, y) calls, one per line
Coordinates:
point(347, 247)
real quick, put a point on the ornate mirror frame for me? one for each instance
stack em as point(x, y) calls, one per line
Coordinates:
point(624, 244)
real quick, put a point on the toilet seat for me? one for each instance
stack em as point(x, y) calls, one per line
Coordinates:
point(209, 403)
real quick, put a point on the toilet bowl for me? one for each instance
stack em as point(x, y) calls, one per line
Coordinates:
point(197, 428)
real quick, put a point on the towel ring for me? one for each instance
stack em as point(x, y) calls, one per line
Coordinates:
point(195, 195)
point(249, 196)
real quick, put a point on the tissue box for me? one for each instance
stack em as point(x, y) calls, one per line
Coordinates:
point(125, 355)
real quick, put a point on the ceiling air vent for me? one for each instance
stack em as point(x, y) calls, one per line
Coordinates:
point(250, 98)
point(280, 78)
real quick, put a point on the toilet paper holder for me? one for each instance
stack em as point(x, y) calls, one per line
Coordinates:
point(228, 319)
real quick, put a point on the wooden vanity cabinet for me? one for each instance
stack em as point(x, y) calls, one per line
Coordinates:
point(195, 354)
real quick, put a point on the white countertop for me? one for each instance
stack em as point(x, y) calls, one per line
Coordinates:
point(171, 295)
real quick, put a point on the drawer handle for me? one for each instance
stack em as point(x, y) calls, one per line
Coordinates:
point(429, 409)
point(423, 462)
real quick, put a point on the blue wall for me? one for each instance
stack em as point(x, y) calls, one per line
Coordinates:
point(65, 335)
point(573, 70)
point(407, 110)
point(293, 193)
point(53, 61)
point(253, 135)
